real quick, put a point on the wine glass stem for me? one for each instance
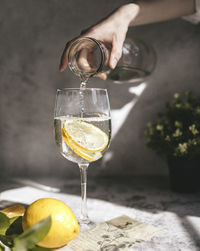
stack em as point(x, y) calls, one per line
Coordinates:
point(83, 172)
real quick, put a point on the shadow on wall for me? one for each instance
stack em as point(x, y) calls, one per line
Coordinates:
point(176, 71)
point(119, 116)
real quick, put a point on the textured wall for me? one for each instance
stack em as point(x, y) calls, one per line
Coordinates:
point(32, 36)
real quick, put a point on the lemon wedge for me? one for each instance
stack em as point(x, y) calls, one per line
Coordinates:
point(86, 136)
point(79, 151)
point(13, 211)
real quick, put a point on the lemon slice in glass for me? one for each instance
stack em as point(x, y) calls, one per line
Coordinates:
point(86, 136)
point(79, 151)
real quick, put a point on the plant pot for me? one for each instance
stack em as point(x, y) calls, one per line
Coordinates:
point(184, 175)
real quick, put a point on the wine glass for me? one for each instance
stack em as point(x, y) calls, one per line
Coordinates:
point(82, 125)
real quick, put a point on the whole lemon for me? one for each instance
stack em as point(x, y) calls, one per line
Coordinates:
point(64, 225)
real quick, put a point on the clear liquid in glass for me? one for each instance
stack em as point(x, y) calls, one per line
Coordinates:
point(101, 121)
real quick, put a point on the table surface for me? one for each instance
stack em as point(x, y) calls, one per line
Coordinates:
point(147, 199)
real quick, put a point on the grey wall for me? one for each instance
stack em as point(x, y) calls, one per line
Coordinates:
point(32, 36)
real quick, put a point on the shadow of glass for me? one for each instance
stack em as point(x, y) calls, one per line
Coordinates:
point(191, 230)
point(150, 194)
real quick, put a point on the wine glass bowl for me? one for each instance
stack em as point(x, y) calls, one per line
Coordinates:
point(82, 125)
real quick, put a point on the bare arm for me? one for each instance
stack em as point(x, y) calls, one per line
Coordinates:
point(151, 11)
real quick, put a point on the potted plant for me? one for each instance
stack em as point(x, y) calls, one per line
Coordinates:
point(175, 135)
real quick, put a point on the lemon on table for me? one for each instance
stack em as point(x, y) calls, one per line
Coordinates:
point(64, 227)
point(13, 211)
point(85, 135)
point(91, 156)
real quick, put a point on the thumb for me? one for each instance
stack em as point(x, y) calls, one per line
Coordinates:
point(116, 51)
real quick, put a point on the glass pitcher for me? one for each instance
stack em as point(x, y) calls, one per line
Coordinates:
point(87, 57)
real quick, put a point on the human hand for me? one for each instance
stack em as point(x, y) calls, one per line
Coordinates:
point(111, 31)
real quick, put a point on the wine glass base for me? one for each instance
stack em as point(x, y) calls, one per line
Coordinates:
point(86, 225)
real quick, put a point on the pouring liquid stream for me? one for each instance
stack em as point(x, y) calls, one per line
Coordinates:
point(83, 84)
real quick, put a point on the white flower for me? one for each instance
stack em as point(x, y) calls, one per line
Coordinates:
point(176, 95)
point(159, 127)
point(177, 133)
point(167, 138)
point(178, 124)
point(182, 148)
point(193, 129)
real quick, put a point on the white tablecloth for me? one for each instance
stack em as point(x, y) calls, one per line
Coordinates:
point(177, 215)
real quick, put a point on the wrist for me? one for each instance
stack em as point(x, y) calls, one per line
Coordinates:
point(128, 13)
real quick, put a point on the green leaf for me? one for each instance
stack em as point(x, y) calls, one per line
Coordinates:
point(32, 235)
point(15, 227)
point(6, 240)
point(4, 223)
point(13, 219)
point(2, 248)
